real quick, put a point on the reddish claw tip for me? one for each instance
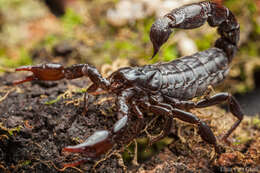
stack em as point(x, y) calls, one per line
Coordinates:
point(24, 68)
point(95, 145)
point(27, 79)
point(67, 165)
point(47, 72)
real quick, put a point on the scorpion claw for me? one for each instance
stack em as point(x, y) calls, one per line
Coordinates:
point(24, 68)
point(48, 72)
point(27, 79)
point(67, 165)
point(94, 146)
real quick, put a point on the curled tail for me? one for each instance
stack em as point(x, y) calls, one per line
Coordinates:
point(193, 16)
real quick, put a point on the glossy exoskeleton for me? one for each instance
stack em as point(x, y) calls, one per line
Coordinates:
point(163, 88)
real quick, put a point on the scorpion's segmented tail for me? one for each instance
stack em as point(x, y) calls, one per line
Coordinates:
point(193, 16)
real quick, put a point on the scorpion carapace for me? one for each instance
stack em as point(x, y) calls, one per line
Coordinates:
point(163, 88)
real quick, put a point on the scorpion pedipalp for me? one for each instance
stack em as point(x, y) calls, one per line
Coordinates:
point(47, 72)
point(99, 142)
point(95, 145)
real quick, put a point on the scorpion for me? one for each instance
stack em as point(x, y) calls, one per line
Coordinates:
point(166, 88)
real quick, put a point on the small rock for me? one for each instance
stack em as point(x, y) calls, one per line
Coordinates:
point(14, 121)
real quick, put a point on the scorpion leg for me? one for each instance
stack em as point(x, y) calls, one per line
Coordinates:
point(122, 99)
point(179, 103)
point(234, 107)
point(96, 78)
point(168, 120)
point(204, 131)
point(137, 111)
point(92, 88)
point(165, 132)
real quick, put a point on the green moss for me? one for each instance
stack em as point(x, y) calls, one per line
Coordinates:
point(170, 53)
point(144, 151)
point(251, 49)
point(256, 122)
point(107, 59)
point(145, 27)
point(147, 153)
point(71, 20)
point(49, 41)
point(242, 88)
point(26, 162)
point(162, 143)
point(205, 42)
point(128, 153)
point(80, 90)
point(11, 131)
point(241, 140)
point(252, 7)
point(15, 129)
point(123, 49)
point(257, 29)
point(24, 59)
point(124, 46)
point(54, 101)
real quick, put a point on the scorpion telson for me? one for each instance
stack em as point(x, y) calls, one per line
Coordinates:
point(163, 88)
point(193, 16)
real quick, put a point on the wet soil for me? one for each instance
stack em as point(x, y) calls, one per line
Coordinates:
point(35, 126)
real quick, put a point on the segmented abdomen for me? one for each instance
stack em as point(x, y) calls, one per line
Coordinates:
point(190, 76)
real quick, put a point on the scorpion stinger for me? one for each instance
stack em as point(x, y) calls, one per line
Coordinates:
point(193, 16)
point(166, 89)
point(160, 33)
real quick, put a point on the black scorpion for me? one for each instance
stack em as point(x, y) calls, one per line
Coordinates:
point(163, 88)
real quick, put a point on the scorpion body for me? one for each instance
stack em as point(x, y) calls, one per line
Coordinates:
point(163, 88)
point(186, 77)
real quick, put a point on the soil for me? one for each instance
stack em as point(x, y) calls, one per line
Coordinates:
point(35, 126)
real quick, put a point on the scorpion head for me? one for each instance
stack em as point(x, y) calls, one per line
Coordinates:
point(124, 78)
point(159, 33)
point(133, 76)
